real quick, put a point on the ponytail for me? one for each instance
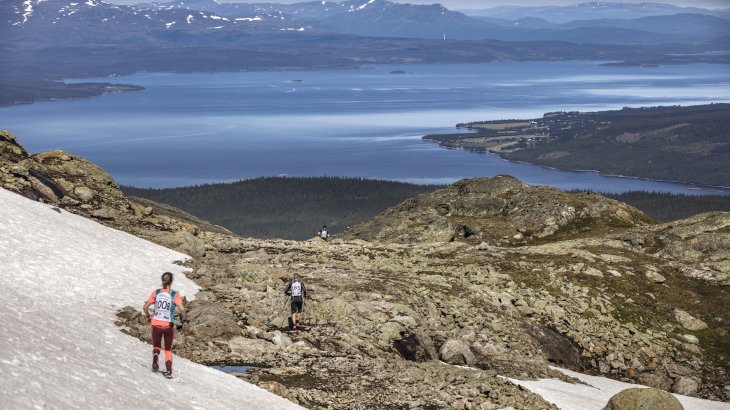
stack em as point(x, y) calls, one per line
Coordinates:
point(167, 279)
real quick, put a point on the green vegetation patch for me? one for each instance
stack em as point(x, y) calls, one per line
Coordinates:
point(287, 208)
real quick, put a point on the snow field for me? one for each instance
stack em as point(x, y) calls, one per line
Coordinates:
point(62, 279)
point(596, 392)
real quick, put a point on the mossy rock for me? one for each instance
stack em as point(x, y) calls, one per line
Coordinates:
point(639, 398)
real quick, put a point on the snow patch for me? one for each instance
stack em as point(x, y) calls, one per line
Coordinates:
point(170, 24)
point(257, 18)
point(597, 392)
point(27, 11)
point(366, 4)
point(189, 18)
point(63, 279)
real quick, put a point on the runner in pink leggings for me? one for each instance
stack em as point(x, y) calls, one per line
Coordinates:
point(165, 301)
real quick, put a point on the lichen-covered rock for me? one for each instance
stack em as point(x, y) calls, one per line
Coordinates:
point(688, 321)
point(209, 321)
point(686, 386)
point(456, 352)
point(643, 399)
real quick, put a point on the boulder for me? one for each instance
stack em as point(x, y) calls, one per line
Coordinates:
point(639, 398)
point(456, 352)
point(84, 194)
point(209, 321)
point(183, 241)
point(281, 340)
point(688, 321)
point(691, 339)
point(103, 213)
point(686, 386)
point(655, 277)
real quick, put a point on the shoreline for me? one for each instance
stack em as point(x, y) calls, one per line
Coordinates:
point(506, 137)
point(594, 171)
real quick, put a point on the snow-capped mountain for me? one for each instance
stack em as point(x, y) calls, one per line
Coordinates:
point(96, 19)
point(91, 21)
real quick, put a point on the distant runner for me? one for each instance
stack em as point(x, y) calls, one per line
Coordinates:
point(323, 233)
point(164, 300)
point(298, 292)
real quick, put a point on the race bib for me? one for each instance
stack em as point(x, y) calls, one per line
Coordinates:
point(296, 289)
point(163, 307)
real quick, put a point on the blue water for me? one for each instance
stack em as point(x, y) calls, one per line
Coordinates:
point(196, 128)
point(234, 369)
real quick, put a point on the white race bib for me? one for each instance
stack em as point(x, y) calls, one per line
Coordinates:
point(163, 307)
point(296, 289)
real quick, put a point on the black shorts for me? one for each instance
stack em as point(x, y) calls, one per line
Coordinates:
point(296, 305)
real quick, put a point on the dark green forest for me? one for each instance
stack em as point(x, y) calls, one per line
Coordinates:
point(295, 208)
point(288, 208)
point(670, 207)
point(686, 144)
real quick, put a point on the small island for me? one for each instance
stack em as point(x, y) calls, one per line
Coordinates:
point(683, 144)
point(22, 93)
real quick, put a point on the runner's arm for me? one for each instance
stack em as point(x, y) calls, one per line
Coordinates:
point(184, 313)
point(144, 309)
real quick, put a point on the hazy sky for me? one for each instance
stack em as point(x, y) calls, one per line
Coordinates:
point(483, 4)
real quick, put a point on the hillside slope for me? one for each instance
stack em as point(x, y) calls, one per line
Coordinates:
point(431, 323)
point(64, 277)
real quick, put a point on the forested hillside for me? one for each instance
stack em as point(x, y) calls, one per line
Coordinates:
point(670, 207)
point(674, 143)
point(295, 208)
point(289, 208)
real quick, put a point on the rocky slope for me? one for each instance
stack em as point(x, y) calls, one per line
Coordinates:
point(501, 211)
point(424, 316)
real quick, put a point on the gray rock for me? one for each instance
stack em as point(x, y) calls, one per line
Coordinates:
point(638, 398)
point(656, 380)
point(281, 340)
point(685, 386)
point(691, 339)
point(655, 277)
point(103, 213)
point(183, 241)
point(83, 193)
point(210, 321)
point(391, 331)
point(592, 272)
point(456, 352)
point(688, 321)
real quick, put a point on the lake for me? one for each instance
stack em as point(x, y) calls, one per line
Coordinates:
point(197, 128)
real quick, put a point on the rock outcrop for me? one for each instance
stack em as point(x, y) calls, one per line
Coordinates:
point(501, 210)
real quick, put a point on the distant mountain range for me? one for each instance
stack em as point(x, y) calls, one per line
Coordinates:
point(93, 21)
point(45, 41)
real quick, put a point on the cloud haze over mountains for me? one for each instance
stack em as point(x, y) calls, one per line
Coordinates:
point(480, 4)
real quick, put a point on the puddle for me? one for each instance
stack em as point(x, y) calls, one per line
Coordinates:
point(235, 369)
